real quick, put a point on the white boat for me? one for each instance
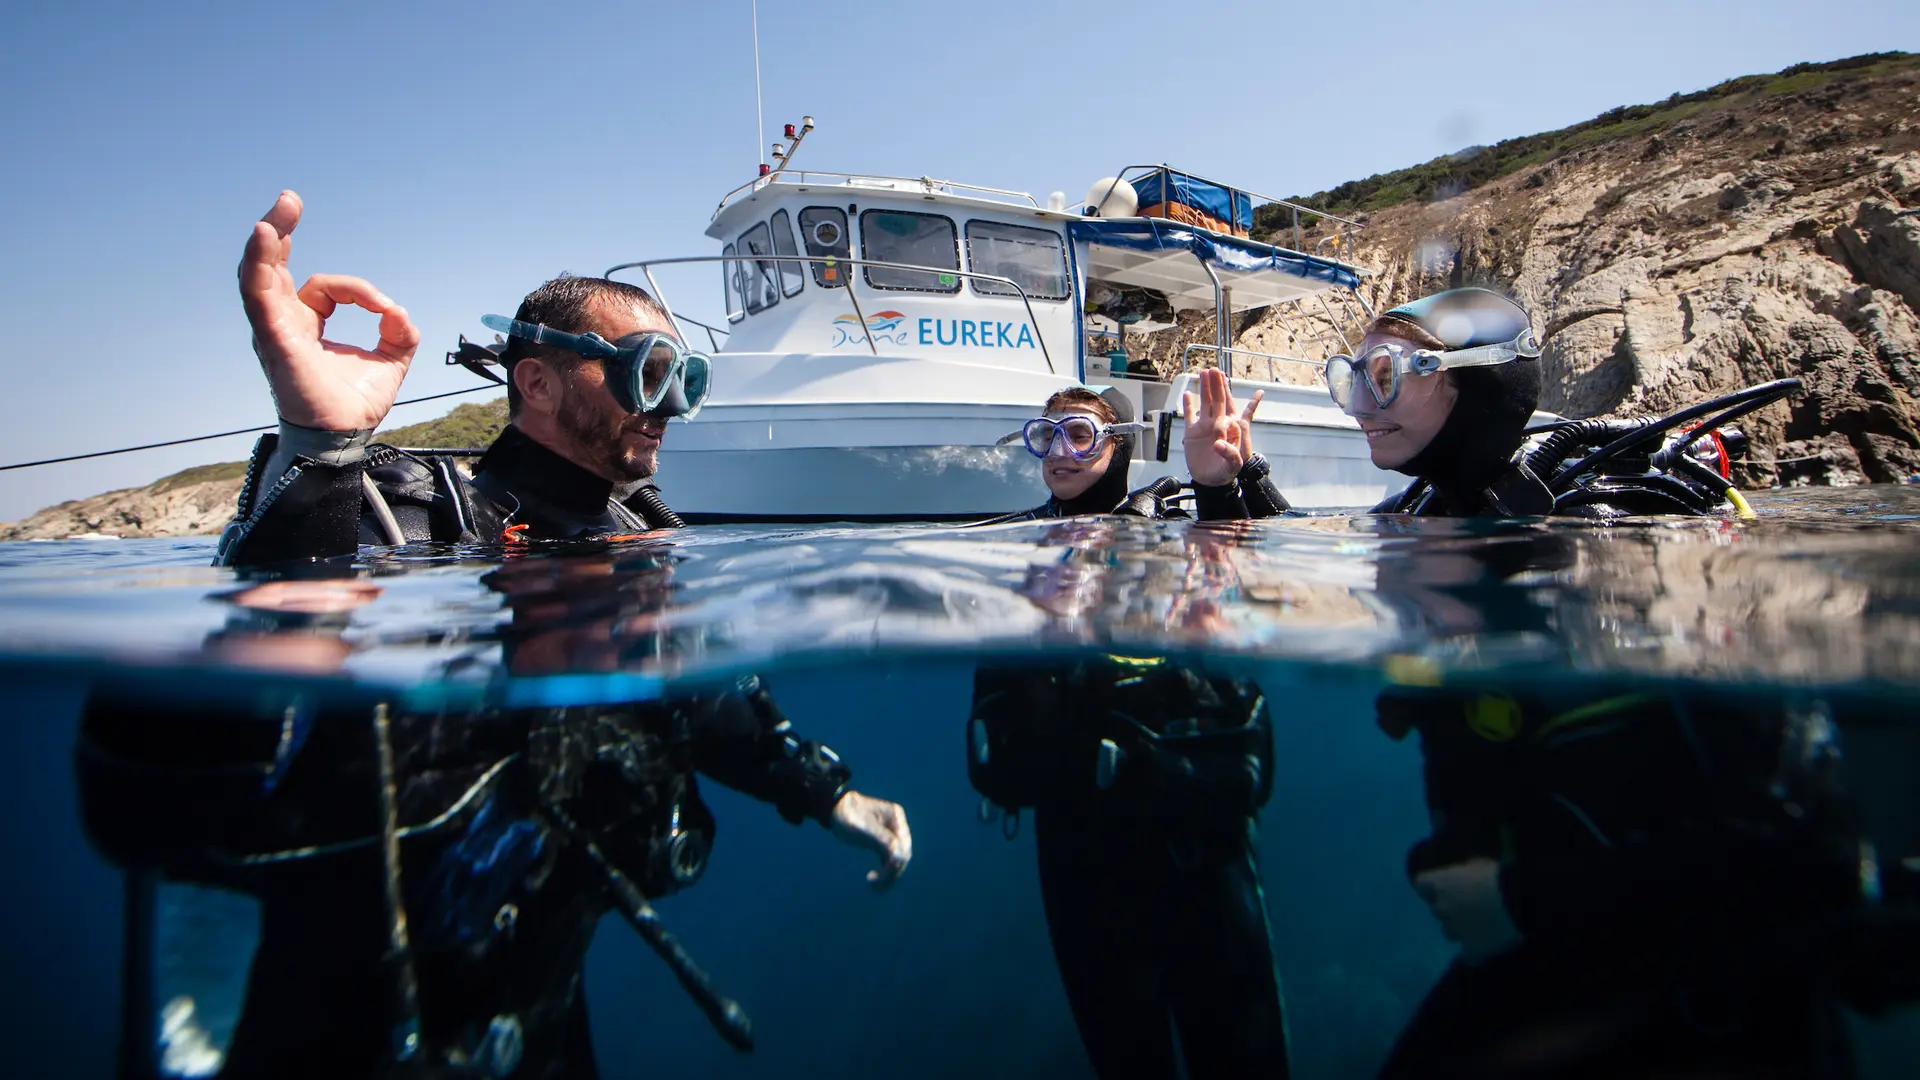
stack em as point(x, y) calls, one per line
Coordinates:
point(886, 335)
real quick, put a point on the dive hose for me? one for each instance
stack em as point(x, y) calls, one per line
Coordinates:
point(1741, 402)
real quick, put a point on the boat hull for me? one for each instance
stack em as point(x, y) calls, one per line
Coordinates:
point(902, 462)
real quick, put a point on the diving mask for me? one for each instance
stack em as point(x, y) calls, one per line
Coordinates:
point(650, 374)
point(1382, 367)
point(1082, 436)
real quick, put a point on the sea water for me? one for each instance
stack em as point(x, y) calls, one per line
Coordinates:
point(869, 639)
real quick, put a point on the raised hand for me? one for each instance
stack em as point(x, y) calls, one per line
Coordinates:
point(1218, 440)
point(318, 383)
point(878, 826)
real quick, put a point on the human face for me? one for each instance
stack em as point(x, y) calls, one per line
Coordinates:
point(1065, 477)
point(597, 433)
point(1397, 433)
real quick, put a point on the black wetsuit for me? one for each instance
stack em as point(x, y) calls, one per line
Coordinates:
point(501, 888)
point(1147, 865)
point(319, 511)
point(1661, 855)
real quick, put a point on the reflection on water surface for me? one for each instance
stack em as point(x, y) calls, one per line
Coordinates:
point(1645, 788)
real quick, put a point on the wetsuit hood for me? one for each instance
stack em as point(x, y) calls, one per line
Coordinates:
point(1108, 492)
point(1476, 443)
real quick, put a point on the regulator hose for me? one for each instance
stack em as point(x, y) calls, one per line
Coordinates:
point(1571, 435)
point(655, 509)
point(1741, 402)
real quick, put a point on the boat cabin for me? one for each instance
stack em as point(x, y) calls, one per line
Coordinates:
point(946, 271)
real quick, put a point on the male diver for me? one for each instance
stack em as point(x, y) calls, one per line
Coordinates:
point(507, 832)
point(1144, 775)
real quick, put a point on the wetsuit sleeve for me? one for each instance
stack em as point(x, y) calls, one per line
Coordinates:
point(1221, 503)
point(741, 738)
point(1250, 495)
point(300, 500)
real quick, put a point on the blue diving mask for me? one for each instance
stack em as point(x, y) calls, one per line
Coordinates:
point(1081, 436)
point(649, 374)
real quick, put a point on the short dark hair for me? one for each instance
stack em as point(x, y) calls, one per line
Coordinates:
point(1079, 397)
point(563, 304)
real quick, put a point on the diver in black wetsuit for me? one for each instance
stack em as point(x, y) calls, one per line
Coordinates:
point(1085, 447)
point(510, 830)
point(1642, 882)
point(1444, 388)
point(1145, 776)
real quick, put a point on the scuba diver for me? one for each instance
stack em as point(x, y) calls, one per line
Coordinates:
point(1085, 443)
point(1643, 881)
point(594, 372)
point(501, 834)
point(1444, 388)
point(1145, 776)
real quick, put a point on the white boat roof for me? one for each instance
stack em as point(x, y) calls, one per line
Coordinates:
point(1171, 257)
point(727, 217)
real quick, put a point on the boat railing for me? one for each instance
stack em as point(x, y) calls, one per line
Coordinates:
point(1186, 358)
point(646, 268)
point(925, 185)
point(1344, 227)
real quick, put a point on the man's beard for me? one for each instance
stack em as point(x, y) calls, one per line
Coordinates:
point(600, 440)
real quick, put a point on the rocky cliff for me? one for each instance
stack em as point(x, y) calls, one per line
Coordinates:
point(199, 500)
point(158, 509)
point(1764, 229)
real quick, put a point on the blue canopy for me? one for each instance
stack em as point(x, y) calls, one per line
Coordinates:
point(1223, 253)
point(1165, 185)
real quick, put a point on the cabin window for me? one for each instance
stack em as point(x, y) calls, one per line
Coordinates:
point(823, 229)
point(732, 274)
point(792, 278)
point(761, 290)
point(921, 239)
point(1034, 258)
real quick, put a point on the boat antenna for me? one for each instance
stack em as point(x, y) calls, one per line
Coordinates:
point(759, 112)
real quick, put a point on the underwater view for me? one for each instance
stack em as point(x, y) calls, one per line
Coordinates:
point(1695, 737)
point(1457, 621)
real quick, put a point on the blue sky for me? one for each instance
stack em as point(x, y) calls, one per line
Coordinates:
point(459, 154)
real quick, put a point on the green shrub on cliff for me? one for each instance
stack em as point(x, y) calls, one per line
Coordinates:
point(1445, 177)
point(467, 425)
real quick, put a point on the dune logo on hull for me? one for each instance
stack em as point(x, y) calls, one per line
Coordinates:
point(880, 326)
